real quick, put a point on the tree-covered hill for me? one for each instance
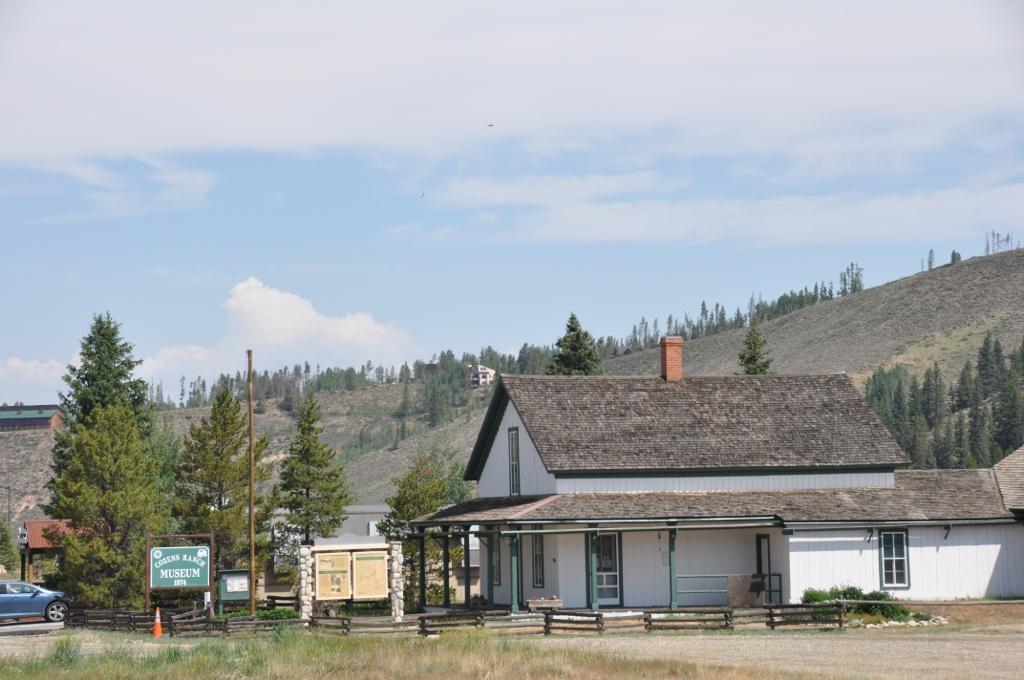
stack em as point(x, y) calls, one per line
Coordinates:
point(940, 316)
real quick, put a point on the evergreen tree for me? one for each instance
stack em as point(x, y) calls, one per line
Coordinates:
point(988, 371)
point(753, 357)
point(9, 554)
point(965, 387)
point(921, 453)
point(980, 435)
point(104, 377)
point(962, 444)
point(212, 491)
point(577, 352)
point(108, 493)
point(945, 447)
point(313, 489)
point(1009, 416)
point(954, 257)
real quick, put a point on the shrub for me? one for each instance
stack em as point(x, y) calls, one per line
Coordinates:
point(814, 595)
point(893, 611)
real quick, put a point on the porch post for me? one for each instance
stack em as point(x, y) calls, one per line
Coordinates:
point(513, 556)
point(446, 560)
point(673, 592)
point(491, 538)
point(423, 571)
point(465, 569)
point(592, 566)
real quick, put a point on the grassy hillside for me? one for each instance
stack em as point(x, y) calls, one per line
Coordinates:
point(25, 457)
point(360, 426)
point(941, 315)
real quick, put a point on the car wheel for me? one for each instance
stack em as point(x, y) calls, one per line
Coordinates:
point(56, 611)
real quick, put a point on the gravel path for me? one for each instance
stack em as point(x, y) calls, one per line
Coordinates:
point(974, 655)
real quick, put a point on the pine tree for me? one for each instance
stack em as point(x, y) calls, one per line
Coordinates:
point(965, 387)
point(312, 489)
point(577, 353)
point(945, 447)
point(212, 491)
point(962, 444)
point(988, 372)
point(9, 555)
point(108, 493)
point(1008, 416)
point(753, 357)
point(980, 435)
point(103, 378)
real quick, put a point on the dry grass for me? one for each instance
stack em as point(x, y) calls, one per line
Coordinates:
point(290, 654)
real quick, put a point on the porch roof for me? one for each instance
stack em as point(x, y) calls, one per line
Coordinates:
point(927, 495)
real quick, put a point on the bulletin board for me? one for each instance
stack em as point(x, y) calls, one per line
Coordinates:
point(370, 575)
point(333, 580)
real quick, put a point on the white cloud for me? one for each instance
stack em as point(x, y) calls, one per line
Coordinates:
point(780, 221)
point(125, 79)
point(30, 380)
point(282, 328)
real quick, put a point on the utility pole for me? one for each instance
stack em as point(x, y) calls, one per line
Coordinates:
point(252, 495)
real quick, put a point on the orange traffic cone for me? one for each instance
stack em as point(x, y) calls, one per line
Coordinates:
point(158, 629)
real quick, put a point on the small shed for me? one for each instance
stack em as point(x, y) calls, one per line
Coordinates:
point(40, 537)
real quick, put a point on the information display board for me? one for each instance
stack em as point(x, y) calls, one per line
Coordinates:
point(333, 580)
point(370, 575)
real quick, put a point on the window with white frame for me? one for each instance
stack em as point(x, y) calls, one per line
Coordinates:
point(538, 561)
point(895, 559)
point(513, 461)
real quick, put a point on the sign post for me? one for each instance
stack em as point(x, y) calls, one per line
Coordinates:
point(179, 567)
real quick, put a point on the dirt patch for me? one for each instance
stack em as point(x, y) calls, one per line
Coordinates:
point(842, 655)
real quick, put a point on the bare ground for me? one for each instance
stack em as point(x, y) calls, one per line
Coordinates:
point(885, 654)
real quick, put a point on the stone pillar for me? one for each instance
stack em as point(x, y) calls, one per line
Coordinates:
point(397, 581)
point(305, 583)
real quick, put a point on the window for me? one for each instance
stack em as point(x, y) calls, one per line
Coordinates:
point(513, 461)
point(495, 546)
point(538, 561)
point(895, 560)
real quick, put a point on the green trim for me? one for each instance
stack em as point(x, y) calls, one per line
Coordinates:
point(622, 580)
point(490, 569)
point(537, 540)
point(673, 593)
point(906, 558)
point(513, 556)
point(488, 431)
point(592, 572)
point(719, 472)
point(446, 574)
point(466, 572)
point(515, 475)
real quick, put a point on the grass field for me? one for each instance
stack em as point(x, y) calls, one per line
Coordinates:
point(291, 654)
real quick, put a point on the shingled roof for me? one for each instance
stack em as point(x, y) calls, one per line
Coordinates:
point(610, 423)
point(1010, 475)
point(919, 495)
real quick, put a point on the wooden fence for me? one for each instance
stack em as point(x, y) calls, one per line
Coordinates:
point(181, 623)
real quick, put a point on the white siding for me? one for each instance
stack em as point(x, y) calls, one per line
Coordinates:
point(762, 482)
point(533, 477)
point(572, 570)
point(973, 561)
point(645, 568)
point(550, 586)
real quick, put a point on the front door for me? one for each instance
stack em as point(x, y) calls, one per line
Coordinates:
point(608, 576)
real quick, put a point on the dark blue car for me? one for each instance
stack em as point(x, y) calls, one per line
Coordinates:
point(20, 600)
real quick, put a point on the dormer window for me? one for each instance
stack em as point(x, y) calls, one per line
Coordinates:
point(513, 461)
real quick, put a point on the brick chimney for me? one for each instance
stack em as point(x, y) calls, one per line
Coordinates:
point(672, 359)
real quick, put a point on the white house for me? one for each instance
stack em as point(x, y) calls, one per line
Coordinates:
point(480, 375)
point(672, 491)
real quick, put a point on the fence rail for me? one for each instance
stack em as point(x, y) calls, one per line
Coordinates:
point(180, 623)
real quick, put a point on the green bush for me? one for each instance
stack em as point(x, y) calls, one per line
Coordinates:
point(892, 611)
point(277, 614)
point(813, 595)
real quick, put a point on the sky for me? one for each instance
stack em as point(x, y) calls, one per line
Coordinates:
point(341, 182)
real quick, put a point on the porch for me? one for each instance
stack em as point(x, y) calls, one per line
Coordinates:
point(622, 565)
